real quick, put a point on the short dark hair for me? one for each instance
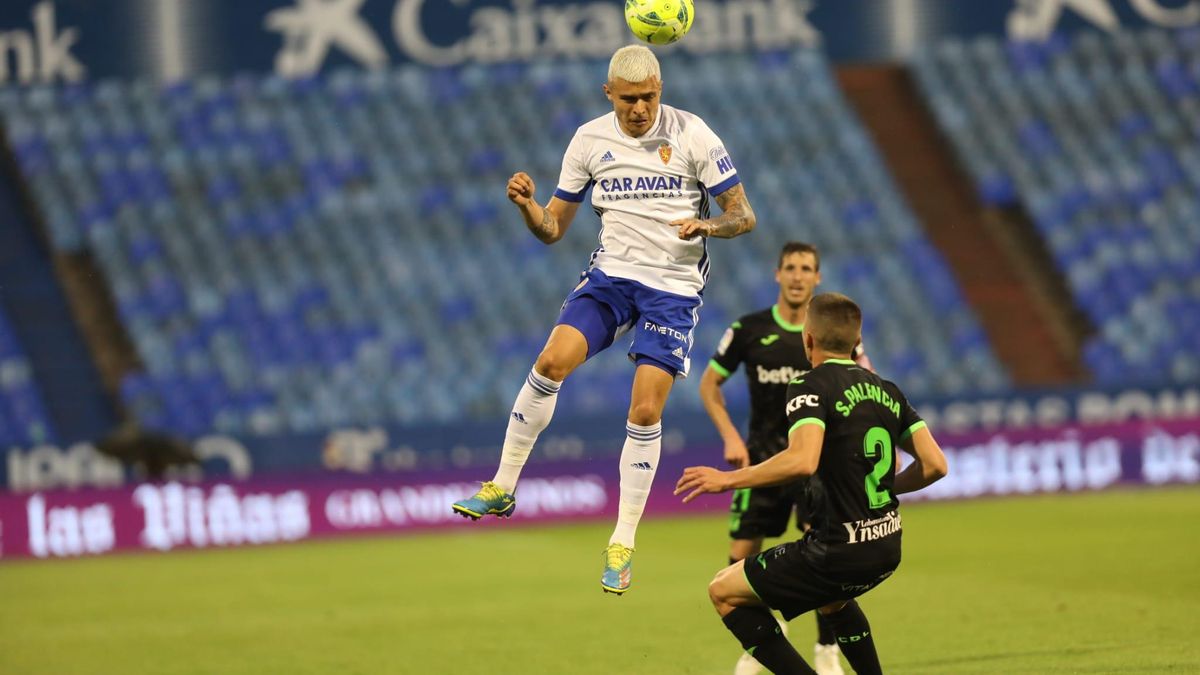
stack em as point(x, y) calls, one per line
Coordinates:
point(798, 247)
point(835, 322)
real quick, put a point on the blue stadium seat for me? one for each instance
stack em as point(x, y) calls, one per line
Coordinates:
point(23, 417)
point(1102, 174)
point(259, 239)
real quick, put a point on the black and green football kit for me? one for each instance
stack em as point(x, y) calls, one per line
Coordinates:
point(772, 351)
point(854, 543)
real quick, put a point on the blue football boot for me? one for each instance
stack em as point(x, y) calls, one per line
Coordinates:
point(618, 569)
point(490, 500)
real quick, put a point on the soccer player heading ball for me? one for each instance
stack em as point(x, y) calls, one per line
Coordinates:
point(652, 169)
point(844, 425)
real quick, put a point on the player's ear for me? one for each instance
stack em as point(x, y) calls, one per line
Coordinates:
point(607, 92)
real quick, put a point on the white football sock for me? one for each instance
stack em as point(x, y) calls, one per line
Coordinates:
point(530, 415)
point(747, 665)
point(639, 461)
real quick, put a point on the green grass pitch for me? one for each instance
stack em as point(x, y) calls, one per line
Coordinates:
point(1099, 583)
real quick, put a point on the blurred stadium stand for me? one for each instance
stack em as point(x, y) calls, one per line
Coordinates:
point(292, 256)
point(55, 392)
point(1025, 324)
point(23, 418)
point(1098, 139)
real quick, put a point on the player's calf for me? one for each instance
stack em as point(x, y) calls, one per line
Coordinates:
point(748, 665)
point(853, 633)
point(760, 635)
point(752, 623)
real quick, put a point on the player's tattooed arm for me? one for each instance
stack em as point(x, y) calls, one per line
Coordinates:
point(547, 228)
point(736, 218)
point(548, 223)
point(736, 215)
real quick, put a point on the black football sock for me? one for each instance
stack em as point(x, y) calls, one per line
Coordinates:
point(854, 638)
point(824, 631)
point(762, 637)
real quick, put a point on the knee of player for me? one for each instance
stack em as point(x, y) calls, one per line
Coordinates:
point(552, 366)
point(644, 414)
point(718, 595)
point(714, 593)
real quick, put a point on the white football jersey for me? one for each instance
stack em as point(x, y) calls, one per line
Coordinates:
point(641, 184)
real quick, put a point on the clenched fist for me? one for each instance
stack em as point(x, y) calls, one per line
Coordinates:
point(520, 189)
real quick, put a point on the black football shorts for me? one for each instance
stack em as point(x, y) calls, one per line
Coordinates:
point(803, 575)
point(765, 512)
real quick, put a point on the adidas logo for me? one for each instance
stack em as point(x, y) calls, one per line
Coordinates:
point(642, 466)
point(678, 352)
point(607, 157)
point(519, 417)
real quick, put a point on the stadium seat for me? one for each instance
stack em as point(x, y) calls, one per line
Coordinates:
point(1107, 172)
point(23, 417)
point(260, 235)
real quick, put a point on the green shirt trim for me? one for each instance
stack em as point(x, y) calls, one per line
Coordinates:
point(913, 429)
point(844, 362)
point(789, 327)
point(806, 420)
point(712, 363)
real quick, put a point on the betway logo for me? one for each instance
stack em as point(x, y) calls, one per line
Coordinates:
point(778, 375)
point(42, 54)
point(522, 30)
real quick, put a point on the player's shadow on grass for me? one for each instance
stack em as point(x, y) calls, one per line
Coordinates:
point(986, 658)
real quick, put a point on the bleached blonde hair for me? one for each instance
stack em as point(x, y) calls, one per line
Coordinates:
point(634, 63)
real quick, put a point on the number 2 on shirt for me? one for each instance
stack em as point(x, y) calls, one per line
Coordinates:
point(878, 442)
